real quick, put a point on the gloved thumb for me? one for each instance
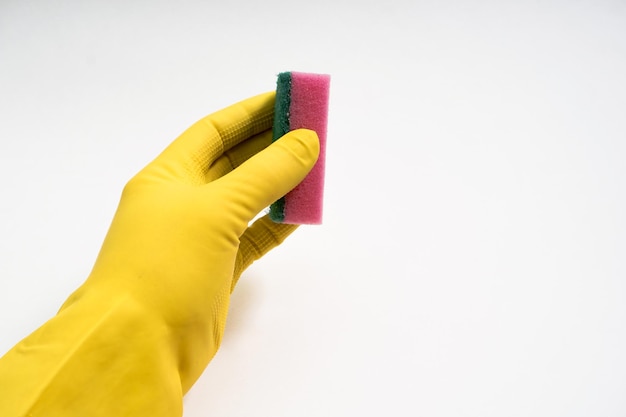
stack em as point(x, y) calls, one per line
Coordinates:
point(273, 172)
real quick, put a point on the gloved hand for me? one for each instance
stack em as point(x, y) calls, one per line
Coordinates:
point(133, 339)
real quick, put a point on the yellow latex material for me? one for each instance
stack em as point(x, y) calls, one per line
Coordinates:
point(133, 339)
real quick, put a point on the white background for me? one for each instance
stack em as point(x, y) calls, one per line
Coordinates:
point(472, 260)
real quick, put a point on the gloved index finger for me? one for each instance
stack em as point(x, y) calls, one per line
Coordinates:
point(193, 152)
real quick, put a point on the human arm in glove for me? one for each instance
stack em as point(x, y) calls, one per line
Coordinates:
point(133, 339)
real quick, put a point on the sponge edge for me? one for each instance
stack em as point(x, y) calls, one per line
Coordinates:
point(302, 103)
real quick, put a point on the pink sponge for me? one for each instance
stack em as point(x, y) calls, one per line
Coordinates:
point(302, 102)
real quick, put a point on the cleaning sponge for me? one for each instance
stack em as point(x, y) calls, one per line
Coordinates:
point(302, 102)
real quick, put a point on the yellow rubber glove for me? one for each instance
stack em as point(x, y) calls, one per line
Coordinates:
point(133, 339)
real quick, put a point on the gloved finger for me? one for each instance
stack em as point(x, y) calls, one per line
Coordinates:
point(263, 236)
point(193, 152)
point(236, 156)
point(271, 173)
